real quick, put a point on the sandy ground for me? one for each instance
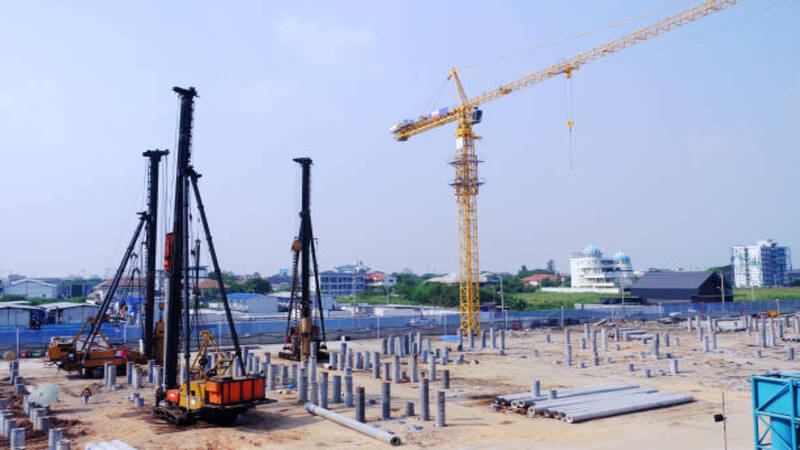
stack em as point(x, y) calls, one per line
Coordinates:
point(471, 422)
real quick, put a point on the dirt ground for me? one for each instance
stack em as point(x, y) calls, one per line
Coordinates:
point(471, 421)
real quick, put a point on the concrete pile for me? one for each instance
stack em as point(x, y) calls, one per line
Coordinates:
point(597, 405)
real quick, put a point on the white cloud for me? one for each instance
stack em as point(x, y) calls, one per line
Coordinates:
point(325, 42)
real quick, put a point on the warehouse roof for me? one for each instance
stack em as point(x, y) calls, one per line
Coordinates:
point(672, 280)
point(67, 305)
point(18, 306)
point(31, 280)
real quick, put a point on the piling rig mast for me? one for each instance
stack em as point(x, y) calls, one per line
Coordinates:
point(151, 228)
point(219, 397)
point(300, 329)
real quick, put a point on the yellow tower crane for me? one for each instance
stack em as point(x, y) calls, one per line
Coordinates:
point(467, 114)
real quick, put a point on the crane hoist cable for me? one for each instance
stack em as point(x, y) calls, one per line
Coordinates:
point(570, 113)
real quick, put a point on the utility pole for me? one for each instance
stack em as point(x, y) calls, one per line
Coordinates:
point(177, 296)
point(151, 228)
point(502, 305)
point(722, 289)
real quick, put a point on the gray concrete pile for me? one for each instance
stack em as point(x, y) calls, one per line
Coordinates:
point(597, 405)
point(525, 399)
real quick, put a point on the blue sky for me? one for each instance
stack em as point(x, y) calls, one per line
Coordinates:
point(683, 146)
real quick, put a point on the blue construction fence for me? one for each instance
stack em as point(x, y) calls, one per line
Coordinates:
point(366, 327)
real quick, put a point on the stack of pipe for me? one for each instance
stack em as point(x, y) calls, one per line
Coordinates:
point(529, 399)
point(580, 408)
point(505, 400)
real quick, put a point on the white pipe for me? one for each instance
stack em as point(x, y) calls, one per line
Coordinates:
point(674, 399)
point(575, 392)
point(589, 399)
point(561, 412)
point(355, 425)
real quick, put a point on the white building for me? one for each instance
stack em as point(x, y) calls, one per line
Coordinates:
point(17, 315)
point(66, 312)
point(763, 264)
point(30, 287)
point(589, 270)
point(328, 303)
point(254, 303)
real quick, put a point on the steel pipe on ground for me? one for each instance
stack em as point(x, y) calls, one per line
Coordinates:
point(674, 399)
point(369, 430)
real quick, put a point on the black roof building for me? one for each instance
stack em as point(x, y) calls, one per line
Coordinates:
point(679, 287)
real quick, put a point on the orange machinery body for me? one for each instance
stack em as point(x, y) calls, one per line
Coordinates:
point(223, 391)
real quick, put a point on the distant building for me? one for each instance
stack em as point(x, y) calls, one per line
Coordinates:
point(680, 287)
point(536, 279)
point(280, 281)
point(66, 312)
point(254, 303)
point(484, 279)
point(763, 264)
point(127, 287)
point(589, 270)
point(16, 315)
point(29, 287)
point(328, 304)
point(341, 283)
point(377, 278)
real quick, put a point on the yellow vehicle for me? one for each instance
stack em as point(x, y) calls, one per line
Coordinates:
point(215, 396)
point(67, 353)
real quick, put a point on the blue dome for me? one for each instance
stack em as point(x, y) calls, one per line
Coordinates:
point(621, 256)
point(592, 250)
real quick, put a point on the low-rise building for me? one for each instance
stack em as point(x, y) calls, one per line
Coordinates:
point(253, 303)
point(379, 279)
point(23, 316)
point(535, 280)
point(66, 312)
point(341, 283)
point(589, 269)
point(680, 287)
point(328, 303)
point(31, 288)
point(485, 278)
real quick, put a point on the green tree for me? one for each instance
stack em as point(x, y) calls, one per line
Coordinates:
point(551, 266)
point(257, 285)
point(515, 303)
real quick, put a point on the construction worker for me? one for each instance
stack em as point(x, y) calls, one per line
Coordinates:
point(86, 394)
point(159, 394)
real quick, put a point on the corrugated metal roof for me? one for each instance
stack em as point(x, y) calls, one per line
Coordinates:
point(67, 305)
point(672, 280)
point(7, 306)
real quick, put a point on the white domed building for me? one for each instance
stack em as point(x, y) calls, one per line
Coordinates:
point(588, 269)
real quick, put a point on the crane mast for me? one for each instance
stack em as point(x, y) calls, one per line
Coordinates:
point(465, 163)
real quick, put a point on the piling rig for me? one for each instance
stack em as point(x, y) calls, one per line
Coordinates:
point(203, 394)
point(301, 330)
